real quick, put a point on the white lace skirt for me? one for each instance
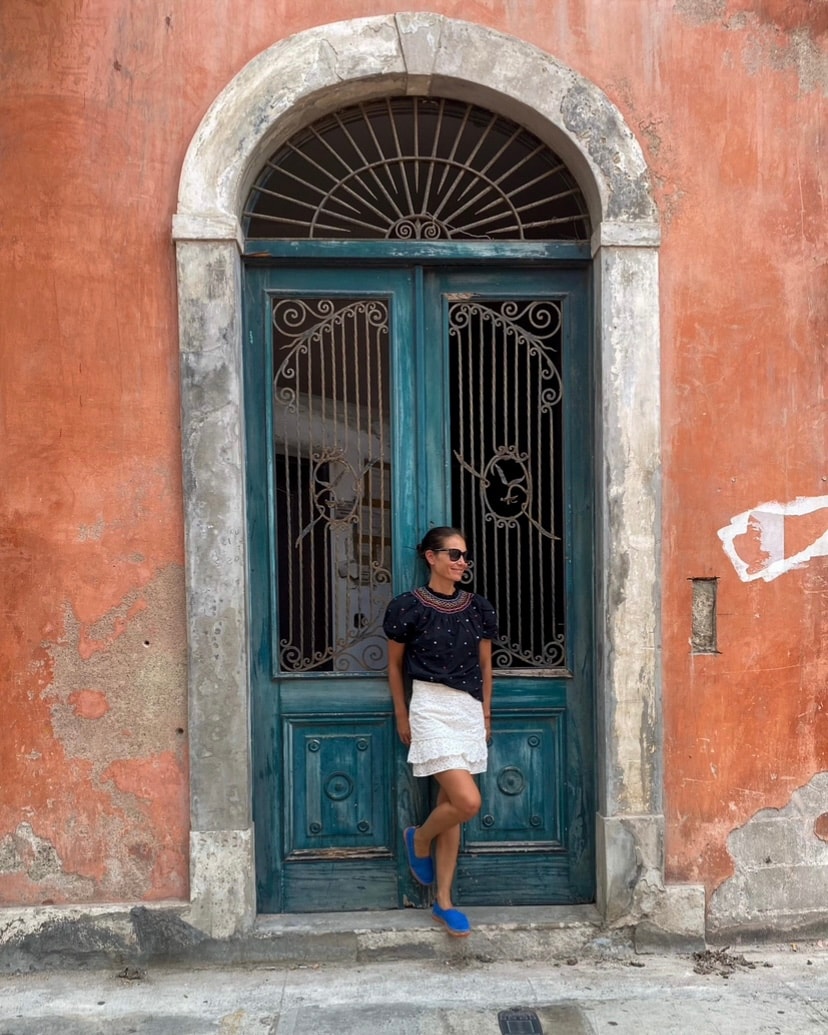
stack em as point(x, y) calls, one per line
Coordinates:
point(447, 730)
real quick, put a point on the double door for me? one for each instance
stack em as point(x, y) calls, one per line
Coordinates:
point(381, 401)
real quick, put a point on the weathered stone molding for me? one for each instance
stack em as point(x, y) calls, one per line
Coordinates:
point(288, 85)
point(327, 67)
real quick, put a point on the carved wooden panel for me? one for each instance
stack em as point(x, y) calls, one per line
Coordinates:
point(522, 800)
point(339, 803)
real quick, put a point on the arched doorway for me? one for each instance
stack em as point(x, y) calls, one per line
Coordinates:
point(285, 88)
point(432, 368)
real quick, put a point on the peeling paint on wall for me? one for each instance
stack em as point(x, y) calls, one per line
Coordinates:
point(100, 767)
point(780, 879)
point(778, 35)
point(774, 538)
point(22, 852)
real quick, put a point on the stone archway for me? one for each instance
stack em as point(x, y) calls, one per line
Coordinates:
point(286, 86)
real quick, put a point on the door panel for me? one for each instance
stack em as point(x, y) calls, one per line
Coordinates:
point(518, 430)
point(525, 762)
point(339, 820)
point(323, 350)
point(378, 402)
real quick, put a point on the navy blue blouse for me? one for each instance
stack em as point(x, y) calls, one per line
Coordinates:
point(442, 636)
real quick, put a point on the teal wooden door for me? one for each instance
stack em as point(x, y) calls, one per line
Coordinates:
point(379, 401)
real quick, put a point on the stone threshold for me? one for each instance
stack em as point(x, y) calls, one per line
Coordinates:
point(498, 933)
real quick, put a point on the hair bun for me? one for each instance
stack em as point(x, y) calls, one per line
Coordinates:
point(435, 537)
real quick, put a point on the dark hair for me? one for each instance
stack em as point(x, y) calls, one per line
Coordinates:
point(435, 537)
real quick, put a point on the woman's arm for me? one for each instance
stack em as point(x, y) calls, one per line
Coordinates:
point(486, 670)
point(396, 653)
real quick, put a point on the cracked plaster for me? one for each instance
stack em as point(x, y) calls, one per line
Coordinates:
point(112, 757)
point(780, 879)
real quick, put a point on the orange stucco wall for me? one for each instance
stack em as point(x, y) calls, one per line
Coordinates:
point(98, 103)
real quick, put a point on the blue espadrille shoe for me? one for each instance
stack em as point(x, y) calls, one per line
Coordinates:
point(457, 923)
point(421, 866)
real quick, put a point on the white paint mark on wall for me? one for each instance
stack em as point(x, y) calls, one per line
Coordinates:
point(773, 538)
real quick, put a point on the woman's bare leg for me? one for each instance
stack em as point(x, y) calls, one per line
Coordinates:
point(446, 850)
point(458, 800)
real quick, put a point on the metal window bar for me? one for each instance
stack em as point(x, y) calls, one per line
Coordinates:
point(416, 167)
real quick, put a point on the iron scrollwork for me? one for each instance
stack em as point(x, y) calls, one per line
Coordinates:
point(332, 482)
point(507, 363)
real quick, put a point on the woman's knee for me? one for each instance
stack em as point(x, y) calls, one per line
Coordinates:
point(461, 791)
point(467, 803)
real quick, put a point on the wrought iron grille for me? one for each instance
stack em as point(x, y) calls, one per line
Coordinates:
point(505, 359)
point(416, 168)
point(332, 480)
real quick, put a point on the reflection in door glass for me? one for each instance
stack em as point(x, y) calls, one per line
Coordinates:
point(506, 389)
point(332, 482)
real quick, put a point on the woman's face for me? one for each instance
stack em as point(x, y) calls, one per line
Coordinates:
point(441, 563)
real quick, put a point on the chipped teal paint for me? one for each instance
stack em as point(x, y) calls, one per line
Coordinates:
point(321, 740)
point(424, 252)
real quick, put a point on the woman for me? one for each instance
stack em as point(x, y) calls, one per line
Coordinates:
point(441, 635)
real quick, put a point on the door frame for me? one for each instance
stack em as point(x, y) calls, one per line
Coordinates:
point(294, 81)
point(287, 707)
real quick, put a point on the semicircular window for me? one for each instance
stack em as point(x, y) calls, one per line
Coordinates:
point(416, 168)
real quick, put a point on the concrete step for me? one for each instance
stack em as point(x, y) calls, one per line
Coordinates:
point(498, 933)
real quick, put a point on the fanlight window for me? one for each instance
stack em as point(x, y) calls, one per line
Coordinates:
point(416, 168)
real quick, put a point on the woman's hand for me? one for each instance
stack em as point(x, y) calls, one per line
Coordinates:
point(396, 653)
point(486, 672)
point(404, 729)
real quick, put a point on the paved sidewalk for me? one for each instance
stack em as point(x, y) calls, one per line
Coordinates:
point(777, 990)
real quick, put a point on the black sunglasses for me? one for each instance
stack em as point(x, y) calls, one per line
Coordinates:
point(454, 553)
